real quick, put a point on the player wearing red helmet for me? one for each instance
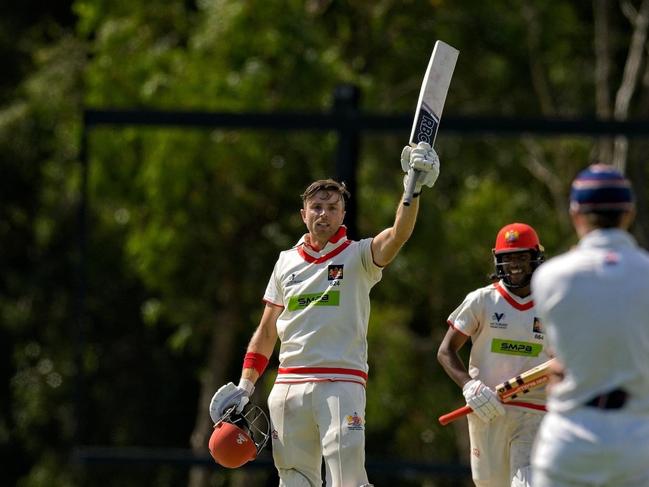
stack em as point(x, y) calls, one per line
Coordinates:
point(507, 339)
point(516, 270)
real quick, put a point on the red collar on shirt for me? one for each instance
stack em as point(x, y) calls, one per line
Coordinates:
point(511, 300)
point(336, 244)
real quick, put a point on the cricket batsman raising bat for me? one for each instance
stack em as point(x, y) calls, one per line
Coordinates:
point(428, 113)
point(317, 297)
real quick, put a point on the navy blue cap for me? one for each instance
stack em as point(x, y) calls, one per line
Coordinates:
point(601, 187)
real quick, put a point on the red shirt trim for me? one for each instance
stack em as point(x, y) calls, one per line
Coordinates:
point(308, 381)
point(319, 260)
point(512, 301)
point(321, 370)
point(273, 304)
point(457, 330)
point(528, 405)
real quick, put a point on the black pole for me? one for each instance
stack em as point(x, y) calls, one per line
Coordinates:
point(81, 284)
point(346, 106)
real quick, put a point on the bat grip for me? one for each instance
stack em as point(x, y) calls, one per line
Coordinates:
point(413, 176)
point(453, 415)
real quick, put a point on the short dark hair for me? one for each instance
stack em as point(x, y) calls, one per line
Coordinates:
point(605, 219)
point(329, 185)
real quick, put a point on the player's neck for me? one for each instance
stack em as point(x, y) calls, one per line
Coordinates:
point(521, 292)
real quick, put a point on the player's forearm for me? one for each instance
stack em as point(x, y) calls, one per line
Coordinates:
point(453, 366)
point(386, 245)
point(263, 341)
point(405, 220)
point(261, 345)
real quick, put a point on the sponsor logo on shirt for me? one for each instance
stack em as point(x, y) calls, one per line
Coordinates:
point(511, 347)
point(334, 272)
point(496, 321)
point(329, 298)
point(355, 422)
point(537, 328)
point(293, 280)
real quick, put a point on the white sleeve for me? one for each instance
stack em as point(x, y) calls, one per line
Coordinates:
point(465, 317)
point(274, 292)
point(374, 271)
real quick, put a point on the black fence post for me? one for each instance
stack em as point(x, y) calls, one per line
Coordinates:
point(79, 433)
point(346, 106)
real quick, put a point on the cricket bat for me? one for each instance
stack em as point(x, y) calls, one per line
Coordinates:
point(430, 104)
point(510, 389)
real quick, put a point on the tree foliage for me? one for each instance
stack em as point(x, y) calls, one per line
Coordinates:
point(184, 225)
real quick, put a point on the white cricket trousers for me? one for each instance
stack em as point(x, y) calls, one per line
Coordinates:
point(590, 447)
point(501, 450)
point(313, 420)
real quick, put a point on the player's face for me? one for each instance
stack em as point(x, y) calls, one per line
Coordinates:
point(518, 266)
point(323, 214)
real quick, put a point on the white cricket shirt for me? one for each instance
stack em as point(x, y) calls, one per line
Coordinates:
point(594, 301)
point(326, 299)
point(507, 338)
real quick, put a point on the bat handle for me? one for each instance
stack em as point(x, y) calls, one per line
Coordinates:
point(413, 176)
point(453, 415)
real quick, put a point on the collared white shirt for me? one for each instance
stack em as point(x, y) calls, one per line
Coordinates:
point(506, 336)
point(594, 302)
point(326, 299)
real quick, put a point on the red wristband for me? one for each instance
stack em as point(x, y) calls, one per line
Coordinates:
point(255, 361)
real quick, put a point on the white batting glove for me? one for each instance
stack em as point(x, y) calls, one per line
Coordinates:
point(483, 400)
point(230, 395)
point(425, 162)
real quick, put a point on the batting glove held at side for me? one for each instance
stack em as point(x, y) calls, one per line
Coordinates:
point(483, 400)
point(230, 395)
point(425, 164)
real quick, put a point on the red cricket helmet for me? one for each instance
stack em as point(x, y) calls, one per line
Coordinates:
point(517, 237)
point(238, 438)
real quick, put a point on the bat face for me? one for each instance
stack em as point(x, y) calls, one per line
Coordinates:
point(511, 393)
point(426, 124)
point(433, 93)
point(525, 382)
point(430, 103)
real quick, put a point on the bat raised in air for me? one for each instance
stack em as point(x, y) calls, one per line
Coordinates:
point(510, 389)
point(431, 103)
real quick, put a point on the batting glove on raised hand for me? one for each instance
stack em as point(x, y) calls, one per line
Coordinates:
point(230, 395)
point(483, 400)
point(425, 162)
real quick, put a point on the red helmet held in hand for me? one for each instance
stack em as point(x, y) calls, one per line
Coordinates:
point(238, 438)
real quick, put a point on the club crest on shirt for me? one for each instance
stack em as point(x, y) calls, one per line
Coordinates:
point(335, 272)
point(355, 422)
point(497, 320)
point(538, 329)
point(611, 258)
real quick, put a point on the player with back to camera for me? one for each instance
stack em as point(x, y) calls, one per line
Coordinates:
point(317, 303)
point(594, 301)
point(506, 339)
